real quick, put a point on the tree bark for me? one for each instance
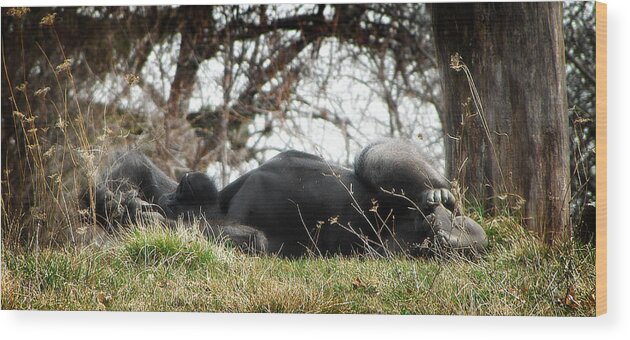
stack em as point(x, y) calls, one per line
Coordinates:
point(520, 154)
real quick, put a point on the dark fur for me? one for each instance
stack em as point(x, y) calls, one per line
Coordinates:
point(133, 188)
point(400, 166)
point(297, 203)
point(300, 202)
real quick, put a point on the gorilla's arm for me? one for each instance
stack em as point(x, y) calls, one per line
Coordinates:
point(146, 186)
point(128, 188)
point(132, 186)
point(137, 170)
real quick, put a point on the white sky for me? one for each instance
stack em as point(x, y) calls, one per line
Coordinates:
point(349, 92)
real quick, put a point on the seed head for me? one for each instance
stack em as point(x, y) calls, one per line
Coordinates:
point(42, 92)
point(18, 12)
point(22, 87)
point(48, 20)
point(132, 79)
point(65, 66)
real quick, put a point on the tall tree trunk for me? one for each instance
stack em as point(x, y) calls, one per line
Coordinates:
point(515, 145)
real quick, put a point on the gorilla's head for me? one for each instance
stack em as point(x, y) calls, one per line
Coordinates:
point(195, 195)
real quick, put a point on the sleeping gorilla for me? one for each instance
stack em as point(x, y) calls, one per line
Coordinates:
point(133, 188)
point(297, 203)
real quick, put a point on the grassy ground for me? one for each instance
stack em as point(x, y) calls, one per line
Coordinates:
point(152, 269)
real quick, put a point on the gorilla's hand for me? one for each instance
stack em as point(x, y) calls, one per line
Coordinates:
point(431, 198)
point(138, 210)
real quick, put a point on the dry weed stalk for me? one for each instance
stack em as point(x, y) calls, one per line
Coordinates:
point(56, 153)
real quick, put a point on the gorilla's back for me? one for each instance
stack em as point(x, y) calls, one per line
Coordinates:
point(296, 192)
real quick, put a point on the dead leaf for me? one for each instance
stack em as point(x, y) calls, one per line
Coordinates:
point(570, 300)
point(103, 300)
point(357, 283)
point(590, 301)
point(515, 294)
point(165, 283)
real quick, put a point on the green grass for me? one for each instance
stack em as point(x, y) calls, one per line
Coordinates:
point(153, 269)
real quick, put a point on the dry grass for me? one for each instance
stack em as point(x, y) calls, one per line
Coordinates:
point(155, 269)
point(59, 144)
